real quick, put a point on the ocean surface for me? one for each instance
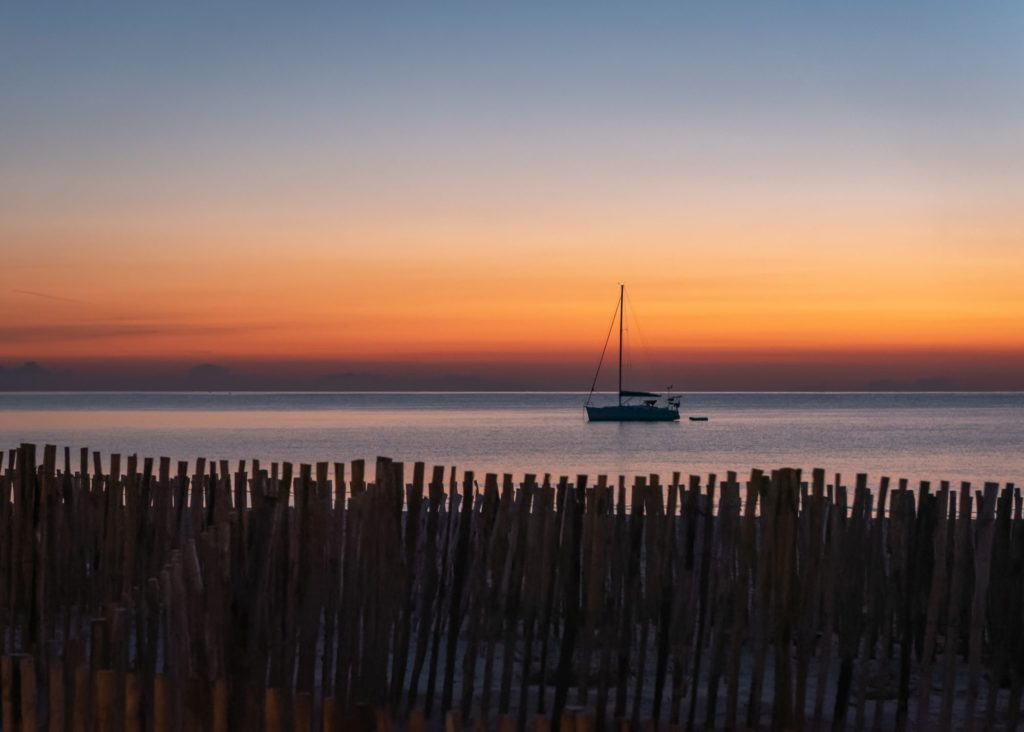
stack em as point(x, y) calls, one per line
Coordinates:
point(920, 436)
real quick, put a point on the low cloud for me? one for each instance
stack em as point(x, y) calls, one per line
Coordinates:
point(378, 381)
point(47, 333)
point(740, 372)
point(29, 375)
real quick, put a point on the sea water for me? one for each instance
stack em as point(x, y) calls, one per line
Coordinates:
point(920, 436)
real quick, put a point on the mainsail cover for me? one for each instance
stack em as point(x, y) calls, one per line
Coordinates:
point(625, 393)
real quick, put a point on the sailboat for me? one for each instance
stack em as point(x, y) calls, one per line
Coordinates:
point(633, 406)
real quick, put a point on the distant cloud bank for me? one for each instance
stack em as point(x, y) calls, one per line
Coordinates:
point(739, 372)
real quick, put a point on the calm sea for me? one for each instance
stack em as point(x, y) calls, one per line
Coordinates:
point(953, 436)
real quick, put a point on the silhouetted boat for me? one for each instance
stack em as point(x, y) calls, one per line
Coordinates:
point(627, 409)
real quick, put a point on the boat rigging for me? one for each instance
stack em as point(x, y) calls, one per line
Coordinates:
point(650, 407)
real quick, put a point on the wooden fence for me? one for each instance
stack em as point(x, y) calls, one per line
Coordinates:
point(149, 597)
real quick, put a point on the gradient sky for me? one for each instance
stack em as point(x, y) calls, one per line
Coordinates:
point(280, 187)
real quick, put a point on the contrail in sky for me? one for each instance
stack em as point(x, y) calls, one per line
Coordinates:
point(49, 297)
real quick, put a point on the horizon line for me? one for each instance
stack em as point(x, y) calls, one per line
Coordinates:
point(501, 391)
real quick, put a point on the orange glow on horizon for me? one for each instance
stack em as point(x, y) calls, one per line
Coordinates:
point(264, 287)
point(314, 314)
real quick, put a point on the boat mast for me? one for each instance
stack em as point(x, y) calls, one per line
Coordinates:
point(622, 292)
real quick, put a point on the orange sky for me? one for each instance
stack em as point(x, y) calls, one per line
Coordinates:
point(391, 290)
point(332, 190)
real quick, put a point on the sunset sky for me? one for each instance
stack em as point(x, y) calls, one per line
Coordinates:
point(798, 195)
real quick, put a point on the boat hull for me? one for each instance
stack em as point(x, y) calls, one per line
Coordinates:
point(632, 413)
